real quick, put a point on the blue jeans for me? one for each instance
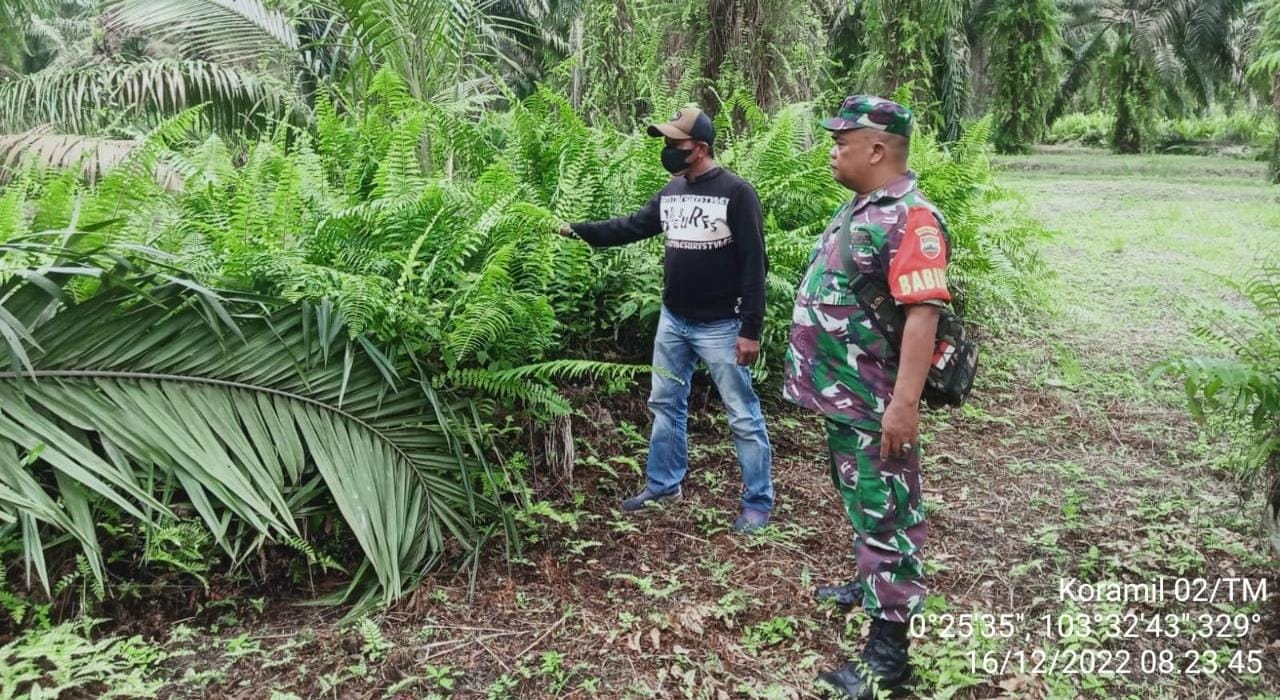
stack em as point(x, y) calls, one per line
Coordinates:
point(677, 346)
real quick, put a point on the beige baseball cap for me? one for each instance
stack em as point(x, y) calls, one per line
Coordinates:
point(687, 123)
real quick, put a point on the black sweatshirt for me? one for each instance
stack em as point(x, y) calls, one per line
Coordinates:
point(715, 259)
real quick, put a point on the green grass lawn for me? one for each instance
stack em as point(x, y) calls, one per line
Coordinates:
point(1137, 248)
point(1091, 163)
point(1143, 247)
point(1131, 488)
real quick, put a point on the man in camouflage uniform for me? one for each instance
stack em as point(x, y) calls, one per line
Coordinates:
point(867, 381)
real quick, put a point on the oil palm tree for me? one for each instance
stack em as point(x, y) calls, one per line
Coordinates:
point(534, 36)
point(252, 60)
point(118, 68)
point(106, 70)
point(1149, 51)
point(1265, 69)
point(922, 47)
point(16, 17)
point(1025, 40)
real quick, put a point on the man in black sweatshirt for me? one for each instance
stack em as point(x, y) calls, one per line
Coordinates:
point(713, 308)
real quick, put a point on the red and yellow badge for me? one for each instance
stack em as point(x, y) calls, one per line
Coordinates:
point(918, 270)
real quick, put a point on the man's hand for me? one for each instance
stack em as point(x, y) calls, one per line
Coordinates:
point(748, 351)
point(901, 419)
point(898, 428)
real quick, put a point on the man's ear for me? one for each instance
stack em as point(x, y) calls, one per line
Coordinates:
point(879, 151)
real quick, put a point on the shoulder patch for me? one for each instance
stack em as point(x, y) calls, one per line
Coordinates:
point(930, 241)
point(918, 268)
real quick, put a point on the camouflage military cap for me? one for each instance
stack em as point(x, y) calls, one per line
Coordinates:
point(861, 111)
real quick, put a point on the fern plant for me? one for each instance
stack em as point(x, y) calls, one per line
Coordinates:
point(396, 254)
point(1243, 383)
point(66, 660)
point(449, 249)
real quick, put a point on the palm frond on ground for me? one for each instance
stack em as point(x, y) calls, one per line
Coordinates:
point(130, 387)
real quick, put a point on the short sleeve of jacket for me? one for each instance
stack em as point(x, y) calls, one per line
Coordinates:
point(918, 268)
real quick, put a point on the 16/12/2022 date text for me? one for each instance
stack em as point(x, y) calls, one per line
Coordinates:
point(1117, 662)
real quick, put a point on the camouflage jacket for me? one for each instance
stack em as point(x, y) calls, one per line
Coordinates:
point(838, 363)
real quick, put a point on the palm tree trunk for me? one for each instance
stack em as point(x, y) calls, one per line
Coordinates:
point(725, 28)
point(1275, 147)
point(1126, 137)
point(575, 40)
point(894, 40)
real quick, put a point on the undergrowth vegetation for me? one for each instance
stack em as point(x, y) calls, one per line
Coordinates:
point(284, 312)
point(138, 400)
point(1216, 130)
point(1242, 383)
point(63, 661)
point(224, 348)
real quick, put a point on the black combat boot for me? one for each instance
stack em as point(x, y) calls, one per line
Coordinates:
point(882, 666)
point(846, 595)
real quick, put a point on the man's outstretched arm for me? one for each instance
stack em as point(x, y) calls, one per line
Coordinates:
point(622, 230)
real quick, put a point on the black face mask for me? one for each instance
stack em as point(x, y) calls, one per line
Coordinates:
point(673, 159)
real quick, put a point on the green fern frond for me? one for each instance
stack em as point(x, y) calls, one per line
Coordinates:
point(533, 394)
point(399, 172)
point(571, 369)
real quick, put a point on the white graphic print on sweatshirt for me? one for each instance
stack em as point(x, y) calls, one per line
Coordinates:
point(695, 222)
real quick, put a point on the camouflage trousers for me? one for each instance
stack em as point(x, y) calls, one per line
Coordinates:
point(883, 501)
